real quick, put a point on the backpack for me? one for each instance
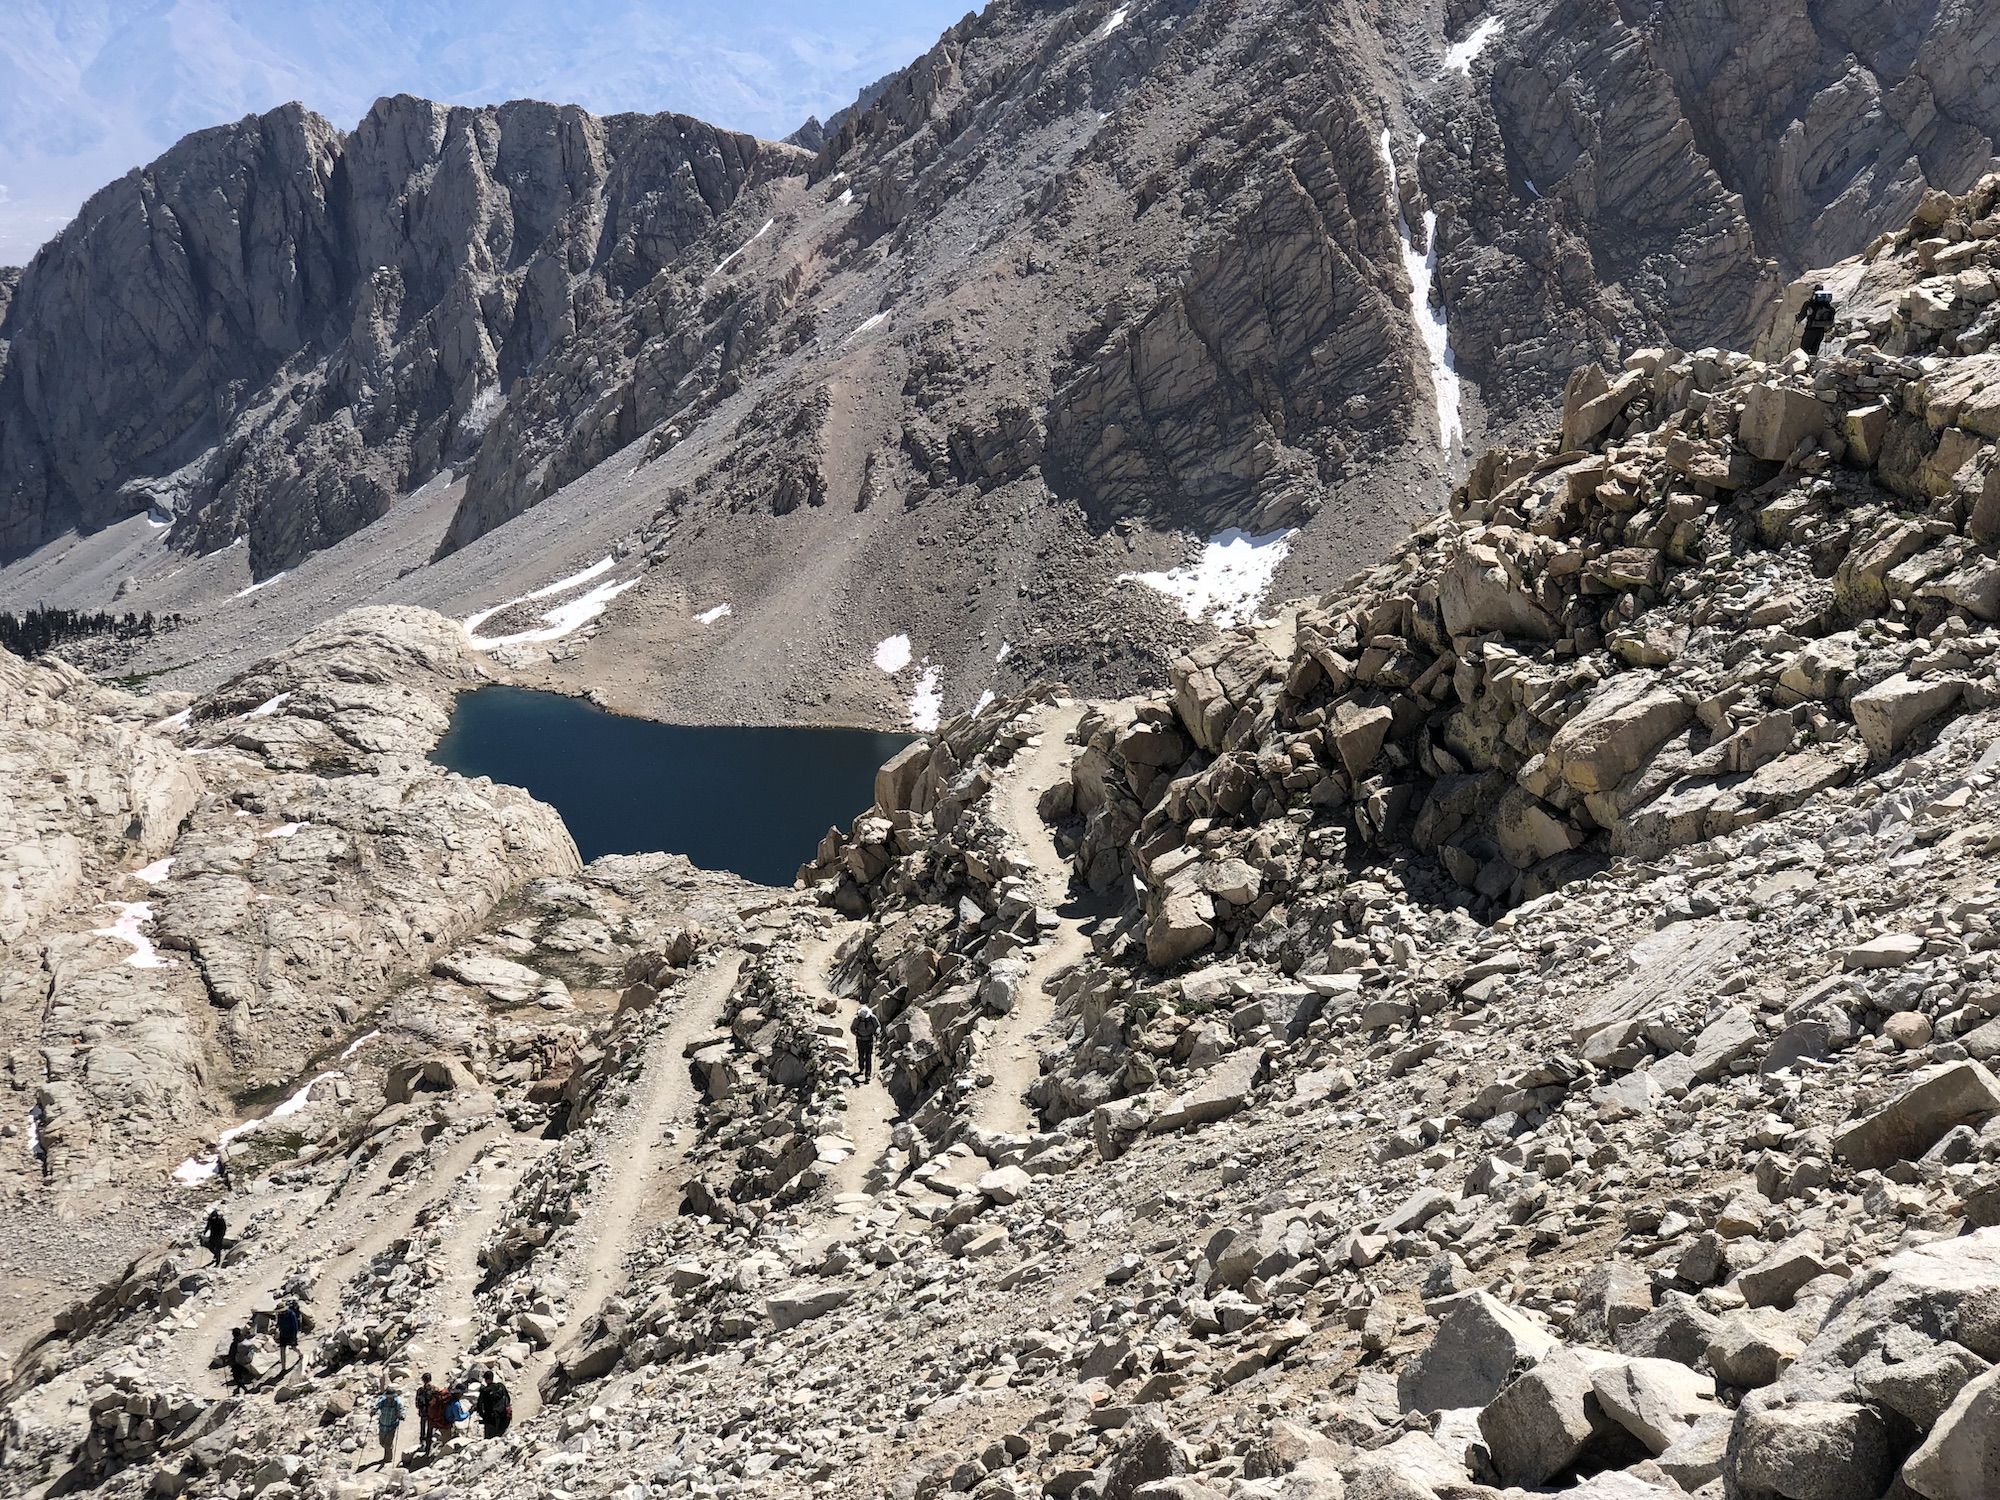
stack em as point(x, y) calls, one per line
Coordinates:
point(455, 1411)
point(1819, 311)
point(865, 1026)
point(217, 1226)
point(494, 1402)
point(437, 1410)
point(288, 1325)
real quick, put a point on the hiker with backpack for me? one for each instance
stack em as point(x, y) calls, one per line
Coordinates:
point(290, 1321)
point(865, 1026)
point(1817, 316)
point(215, 1234)
point(496, 1406)
point(429, 1400)
point(242, 1363)
point(388, 1421)
point(457, 1412)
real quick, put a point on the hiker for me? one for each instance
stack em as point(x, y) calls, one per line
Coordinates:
point(426, 1395)
point(290, 1320)
point(388, 1419)
point(38, 1134)
point(864, 1026)
point(438, 1427)
point(1817, 316)
point(496, 1406)
point(222, 1167)
point(457, 1411)
point(242, 1370)
point(216, 1234)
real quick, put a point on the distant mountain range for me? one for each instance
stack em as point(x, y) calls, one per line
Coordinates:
point(92, 88)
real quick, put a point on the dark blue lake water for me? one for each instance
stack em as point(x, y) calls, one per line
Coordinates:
point(755, 801)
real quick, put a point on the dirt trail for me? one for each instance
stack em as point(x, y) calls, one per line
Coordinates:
point(1011, 1051)
point(441, 1343)
point(635, 1187)
point(341, 1212)
point(869, 1116)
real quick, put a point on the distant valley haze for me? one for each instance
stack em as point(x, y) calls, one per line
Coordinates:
point(90, 89)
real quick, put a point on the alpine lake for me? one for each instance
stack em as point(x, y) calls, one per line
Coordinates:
point(755, 801)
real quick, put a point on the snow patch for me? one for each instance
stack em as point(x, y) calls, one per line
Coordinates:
point(874, 322)
point(156, 872)
point(1006, 650)
point(846, 197)
point(1227, 581)
point(357, 1044)
point(132, 917)
point(1117, 19)
point(174, 721)
point(984, 699)
point(286, 830)
point(199, 1168)
point(724, 262)
point(1459, 55)
point(245, 593)
point(269, 706)
point(710, 616)
point(892, 654)
point(927, 702)
point(560, 621)
point(1422, 269)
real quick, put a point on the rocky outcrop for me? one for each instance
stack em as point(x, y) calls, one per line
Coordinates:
point(1697, 607)
point(197, 905)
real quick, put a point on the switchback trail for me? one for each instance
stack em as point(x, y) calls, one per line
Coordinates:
point(868, 1119)
point(1012, 1051)
point(635, 1186)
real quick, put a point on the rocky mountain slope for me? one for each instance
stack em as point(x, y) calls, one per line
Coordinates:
point(1048, 312)
point(1517, 1023)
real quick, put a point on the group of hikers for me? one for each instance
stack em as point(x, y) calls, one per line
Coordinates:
point(442, 1410)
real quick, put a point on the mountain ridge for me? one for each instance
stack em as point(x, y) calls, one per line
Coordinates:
point(1107, 290)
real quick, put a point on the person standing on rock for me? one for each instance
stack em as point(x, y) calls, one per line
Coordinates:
point(222, 1167)
point(242, 1367)
point(388, 1422)
point(290, 1321)
point(864, 1026)
point(215, 1235)
point(1817, 318)
point(496, 1406)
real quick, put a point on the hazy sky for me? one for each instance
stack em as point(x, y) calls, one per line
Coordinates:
point(91, 88)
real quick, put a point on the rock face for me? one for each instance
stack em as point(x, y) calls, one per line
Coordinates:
point(194, 905)
point(368, 299)
point(1615, 650)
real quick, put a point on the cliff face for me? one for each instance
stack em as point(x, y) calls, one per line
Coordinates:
point(276, 329)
